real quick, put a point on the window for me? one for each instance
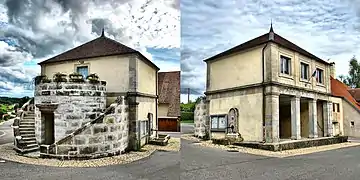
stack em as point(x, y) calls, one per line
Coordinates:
point(285, 65)
point(83, 70)
point(304, 71)
point(319, 76)
point(352, 124)
point(218, 123)
point(336, 107)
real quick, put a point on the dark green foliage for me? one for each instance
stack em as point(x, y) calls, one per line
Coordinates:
point(353, 78)
point(187, 115)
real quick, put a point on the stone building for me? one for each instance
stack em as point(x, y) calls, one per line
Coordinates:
point(77, 110)
point(267, 90)
point(126, 71)
point(346, 109)
point(169, 101)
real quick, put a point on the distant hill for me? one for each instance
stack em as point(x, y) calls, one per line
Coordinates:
point(11, 100)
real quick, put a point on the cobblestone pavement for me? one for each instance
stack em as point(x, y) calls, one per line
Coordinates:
point(281, 154)
point(7, 153)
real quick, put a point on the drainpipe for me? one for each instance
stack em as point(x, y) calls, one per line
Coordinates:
point(263, 87)
point(157, 103)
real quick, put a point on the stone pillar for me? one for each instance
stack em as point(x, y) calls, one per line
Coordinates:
point(272, 118)
point(327, 114)
point(295, 118)
point(47, 116)
point(313, 119)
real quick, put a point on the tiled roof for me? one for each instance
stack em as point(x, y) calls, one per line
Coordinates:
point(355, 93)
point(99, 47)
point(340, 89)
point(169, 91)
point(264, 39)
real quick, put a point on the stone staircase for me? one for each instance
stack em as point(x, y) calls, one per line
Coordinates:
point(24, 129)
point(27, 132)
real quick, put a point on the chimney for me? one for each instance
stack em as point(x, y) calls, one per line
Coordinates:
point(332, 70)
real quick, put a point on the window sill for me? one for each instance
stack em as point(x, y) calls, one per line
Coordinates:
point(218, 130)
point(286, 76)
point(319, 84)
point(307, 81)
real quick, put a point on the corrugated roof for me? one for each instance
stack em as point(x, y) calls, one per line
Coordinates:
point(169, 91)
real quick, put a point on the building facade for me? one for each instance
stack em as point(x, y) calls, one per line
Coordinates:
point(269, 89)
point(169, 101)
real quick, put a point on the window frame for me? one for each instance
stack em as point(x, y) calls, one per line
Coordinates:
point(307, 65)
point(322, 75)
point(83, 66)
point(288, 60)
point(218, 129)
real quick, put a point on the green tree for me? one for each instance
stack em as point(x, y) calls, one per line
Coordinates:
point(353, 78)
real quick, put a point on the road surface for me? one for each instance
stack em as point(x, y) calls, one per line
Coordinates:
point(6, 132)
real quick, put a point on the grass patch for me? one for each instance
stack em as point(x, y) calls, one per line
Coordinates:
point(187, 121)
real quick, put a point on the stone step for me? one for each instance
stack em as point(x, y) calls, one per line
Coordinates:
point(30, 146)
point(30, 149)
point(22, 129)
point(32, 135)
point(27, 132)
point(29, 142)
point(27, 122)
point(32, 126)
point(28, 138)
point(29, 117)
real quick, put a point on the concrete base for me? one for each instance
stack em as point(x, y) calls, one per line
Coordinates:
point(161, 141)
point(294, 144)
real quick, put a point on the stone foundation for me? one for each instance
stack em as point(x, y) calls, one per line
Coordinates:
point(294, 144)
point(79, 102)
point(107, 135)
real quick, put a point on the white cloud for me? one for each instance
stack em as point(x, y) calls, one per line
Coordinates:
point(328, 29)
point(41, 31)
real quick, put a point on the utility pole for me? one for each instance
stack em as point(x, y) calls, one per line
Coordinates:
point(188, 90)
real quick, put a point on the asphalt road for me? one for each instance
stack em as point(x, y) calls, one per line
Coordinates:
point(6, 132)
point(195, 162)
point(205, 163)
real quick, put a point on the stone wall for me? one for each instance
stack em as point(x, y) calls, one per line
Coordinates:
point(109, 135)
point(106, 135)
point(201, 119)
point(79, 102)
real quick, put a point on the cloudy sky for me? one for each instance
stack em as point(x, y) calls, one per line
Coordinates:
point(34, 30)
point(326, 28)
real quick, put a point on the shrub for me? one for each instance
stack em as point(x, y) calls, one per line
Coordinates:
point(187, 116)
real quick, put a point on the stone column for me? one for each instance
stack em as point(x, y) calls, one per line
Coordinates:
point(272, 118)
point(313, 119)
point(295, 118)
point(47, 116)
point(327, 114)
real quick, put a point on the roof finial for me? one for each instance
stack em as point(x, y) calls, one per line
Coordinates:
point(102, 33)
point(271, 28)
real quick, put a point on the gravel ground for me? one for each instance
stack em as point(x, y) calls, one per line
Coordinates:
point(281, 154)
point(7, 153)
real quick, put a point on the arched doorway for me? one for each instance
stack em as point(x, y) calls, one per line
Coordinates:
point(232, 119)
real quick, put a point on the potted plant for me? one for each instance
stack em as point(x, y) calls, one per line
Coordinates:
point(76, 77)
point(60, 77)
point(46, 80)
point(93, 78)
point(38, 79)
